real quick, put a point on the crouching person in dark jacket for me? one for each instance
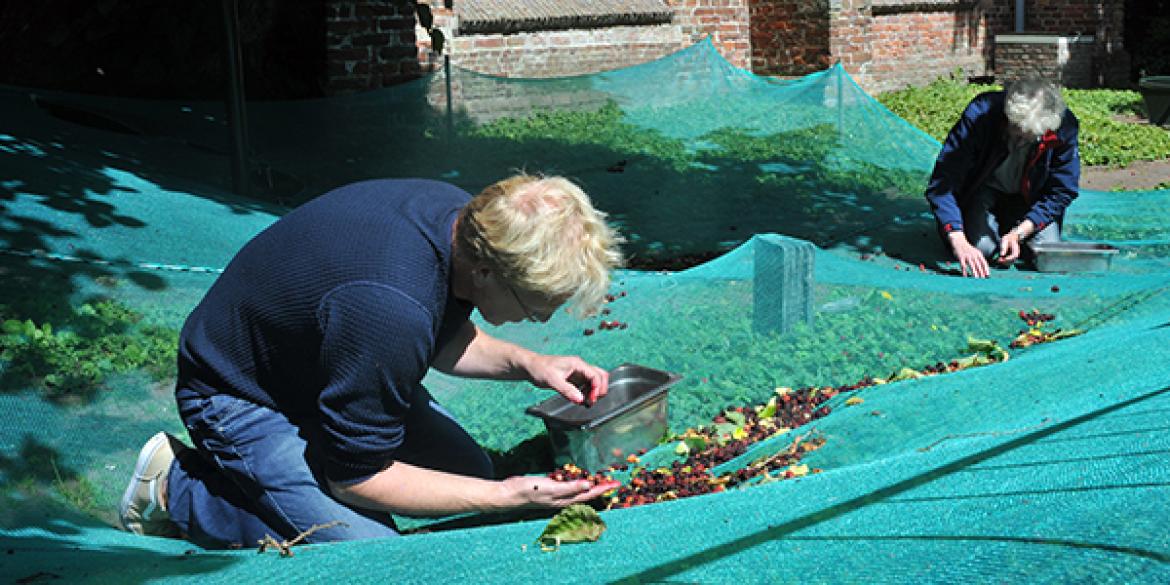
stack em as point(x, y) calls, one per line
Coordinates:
point(1005, 175)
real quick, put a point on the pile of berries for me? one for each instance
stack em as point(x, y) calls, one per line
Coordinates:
point(570, 472)
point(1034, 318)
point(734, 431)
point(692, 477)
point(1036, 333)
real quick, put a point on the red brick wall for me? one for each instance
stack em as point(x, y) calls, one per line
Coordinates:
point(888, 44)
point(789, 37)
point(912, 47)
point(559, 53)
point(884, 44)
point(727, 21)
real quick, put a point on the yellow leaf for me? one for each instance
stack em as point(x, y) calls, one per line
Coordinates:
point(798, 470)
point(739, 434)
point(887, 296)
point(682, 448)
point(854, 400)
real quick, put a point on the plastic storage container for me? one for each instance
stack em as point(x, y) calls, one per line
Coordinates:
point(1074, 257)
point(630, 417)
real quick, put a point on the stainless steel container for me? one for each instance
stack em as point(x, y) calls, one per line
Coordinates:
point(1073, 256)
point(630, 417)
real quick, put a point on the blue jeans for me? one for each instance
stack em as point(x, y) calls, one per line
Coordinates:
point(255, 472)
point(991, 214)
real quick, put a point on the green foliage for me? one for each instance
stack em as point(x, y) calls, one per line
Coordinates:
point(935, 107)
point(809, 149)
point(601, 127)
point(102, 337)
point(1104, 139)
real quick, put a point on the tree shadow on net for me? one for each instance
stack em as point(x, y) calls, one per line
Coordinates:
point(47, 532)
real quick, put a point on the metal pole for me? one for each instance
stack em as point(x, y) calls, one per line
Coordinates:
point(237, 118)
point(450, 110)
point(1019, 16)
point(840, 105)
point(449, 5)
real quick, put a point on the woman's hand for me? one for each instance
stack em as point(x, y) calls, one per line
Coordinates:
point(970, 258)
point(544, 492)
point(1009, 247)
point(569, 376)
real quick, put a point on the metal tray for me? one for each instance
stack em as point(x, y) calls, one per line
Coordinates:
point(630, 417)
point(1073, 256)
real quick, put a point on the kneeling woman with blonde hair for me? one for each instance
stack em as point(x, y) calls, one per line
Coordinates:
point(300, 370)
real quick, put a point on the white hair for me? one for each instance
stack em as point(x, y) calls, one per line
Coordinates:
point(1034, 106)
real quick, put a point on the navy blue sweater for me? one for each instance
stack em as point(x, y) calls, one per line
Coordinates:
point(977, 144)
point(333, 315)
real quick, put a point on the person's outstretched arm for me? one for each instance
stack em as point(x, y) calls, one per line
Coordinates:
point(475, 354)
point(406, 489)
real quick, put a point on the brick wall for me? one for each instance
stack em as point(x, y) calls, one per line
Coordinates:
point(567, 52)
point(790, 37)
point(1104, 20)
point(368, 44)
point(558, 53)
point(889, 44)
point(1066, 60)
point(727, 21)
point(884, 44)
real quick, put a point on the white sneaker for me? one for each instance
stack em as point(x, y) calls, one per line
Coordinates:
point(142, 510)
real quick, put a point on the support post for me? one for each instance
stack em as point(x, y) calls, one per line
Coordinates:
point(237, 117)
point(783, 285)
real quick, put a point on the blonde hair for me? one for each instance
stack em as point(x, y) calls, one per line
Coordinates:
point(542, 234)
point(1034, 106)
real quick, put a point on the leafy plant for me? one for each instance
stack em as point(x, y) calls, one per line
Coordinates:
point(102, 337)
point(1104, 139)
point(601, 127)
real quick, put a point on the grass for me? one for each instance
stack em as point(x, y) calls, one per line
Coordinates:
point(1106, 137)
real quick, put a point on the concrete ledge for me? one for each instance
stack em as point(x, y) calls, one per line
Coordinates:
point(882, 7)
point(506, 17)
point(1008, 39)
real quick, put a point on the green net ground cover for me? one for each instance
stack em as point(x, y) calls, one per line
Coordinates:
point(1047, 467)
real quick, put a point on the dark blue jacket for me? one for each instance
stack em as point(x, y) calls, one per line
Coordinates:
point(978, 144)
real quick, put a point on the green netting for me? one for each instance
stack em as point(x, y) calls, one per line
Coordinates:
point(1049, 467)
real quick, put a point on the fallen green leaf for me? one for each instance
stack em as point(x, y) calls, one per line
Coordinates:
point(577, 523)
point(769, 410)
